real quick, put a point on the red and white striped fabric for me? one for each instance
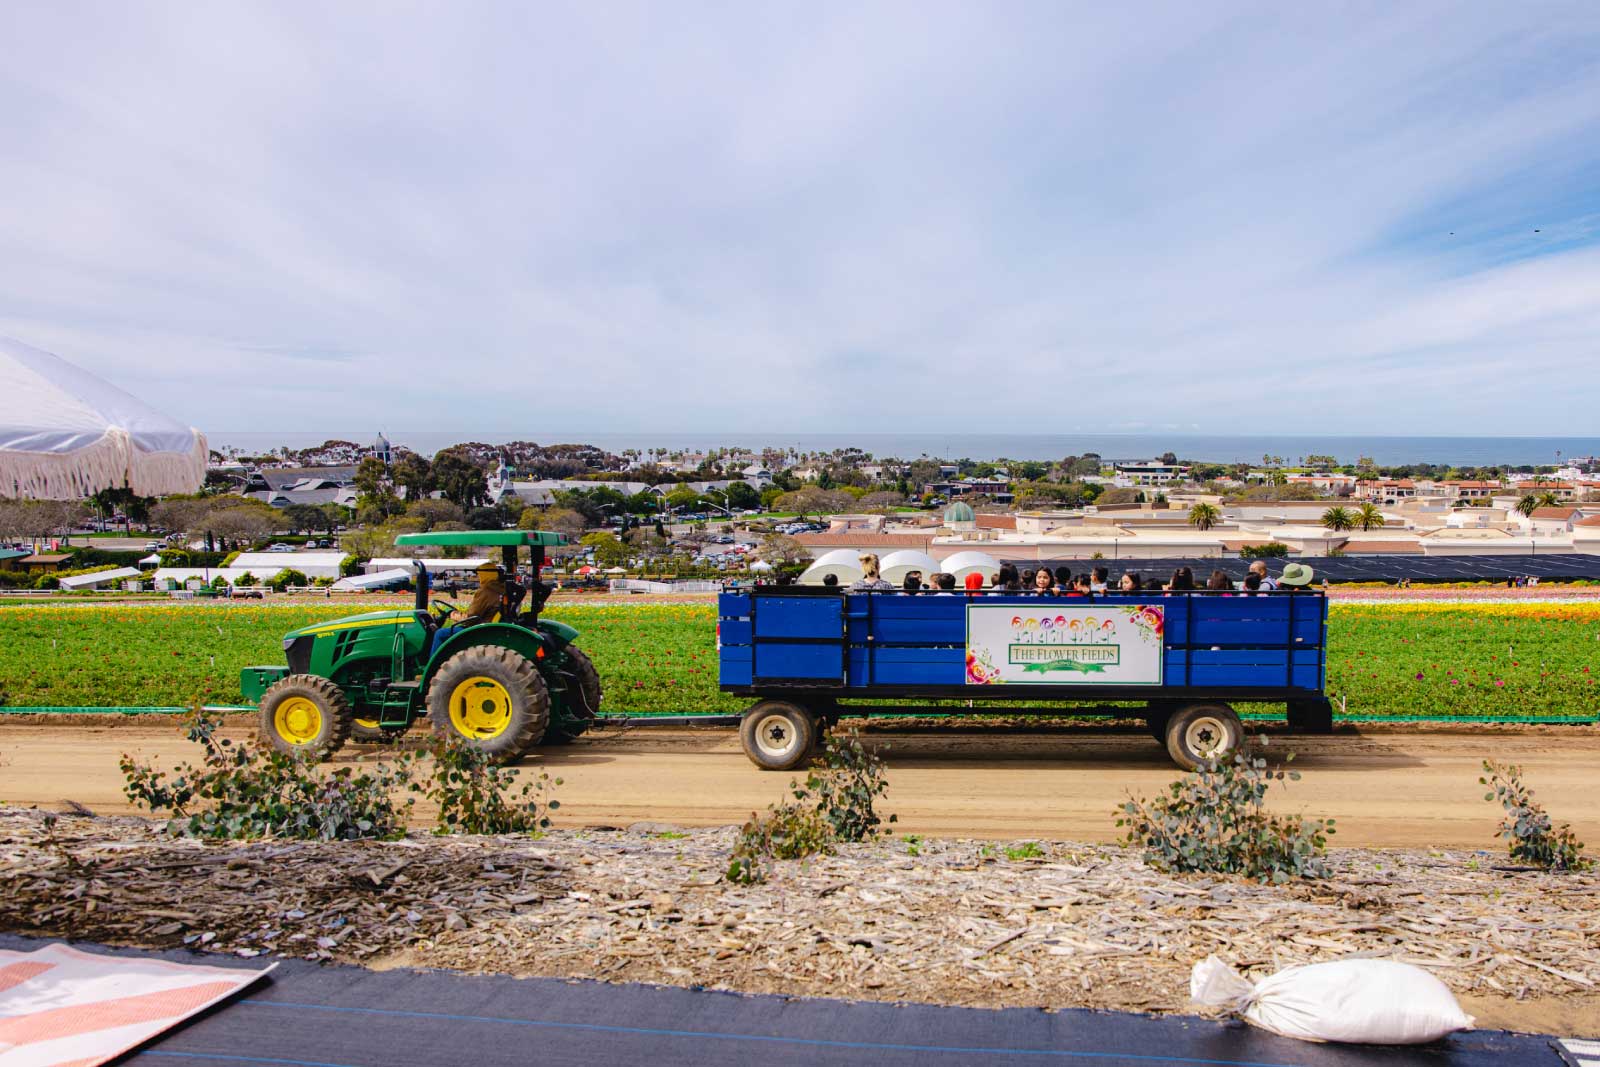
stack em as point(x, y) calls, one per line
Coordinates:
point(60, 1007)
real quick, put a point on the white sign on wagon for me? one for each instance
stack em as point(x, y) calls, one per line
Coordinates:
point(1052, 643)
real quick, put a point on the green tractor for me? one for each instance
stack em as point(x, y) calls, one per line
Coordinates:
point(502, 686)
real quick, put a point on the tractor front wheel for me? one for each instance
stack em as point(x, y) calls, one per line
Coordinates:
point(580, 704)
point(304, 715)
point(491, 698)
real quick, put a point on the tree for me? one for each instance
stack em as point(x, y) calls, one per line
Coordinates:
point(1548, 499)
point(1527, 505)
point(485, 519)
point(781, 549)
point(377, 500)
point(240, 525)
point(304, 517)
point(742, 496)
point(557, 520)
point(460, 479)
point(1368, 517)
point(609, 551)
point(882, 499)
point(1203, 516)
point(1169, 458)
point(414, 474)
point(1118, 496)
point(433, 512)
point(1338, 519)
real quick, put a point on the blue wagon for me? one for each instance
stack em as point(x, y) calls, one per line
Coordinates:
point(1185, 658)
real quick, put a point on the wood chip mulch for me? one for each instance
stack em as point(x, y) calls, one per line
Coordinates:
point(948, 921)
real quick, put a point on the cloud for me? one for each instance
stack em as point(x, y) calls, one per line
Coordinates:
point(769, 218)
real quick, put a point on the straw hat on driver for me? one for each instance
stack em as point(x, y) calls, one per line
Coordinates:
point(1295, 574)
point(487, 569)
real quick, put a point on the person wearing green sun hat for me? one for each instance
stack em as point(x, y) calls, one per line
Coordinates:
point(1295, 576)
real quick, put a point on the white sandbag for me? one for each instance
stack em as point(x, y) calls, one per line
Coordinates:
point(1368, 1002)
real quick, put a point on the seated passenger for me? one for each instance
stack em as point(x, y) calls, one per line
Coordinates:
point(870, 578)
point(1063, 579)
point(1082, 586)
point(912, 583)
point(485, 606)
point(1219, 580)
point(1182, 581)
point(1097, 580)
point(1044, 583)
point(1131, 582)
point(830, 580)
point(973, 581)
point(1007, 580)
point(1296, 578)
point(946, 583)
point(1251, 583)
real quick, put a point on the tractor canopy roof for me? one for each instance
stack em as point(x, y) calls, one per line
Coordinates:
point(499, 538)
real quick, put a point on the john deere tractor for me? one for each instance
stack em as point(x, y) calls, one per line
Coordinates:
point(503, 685)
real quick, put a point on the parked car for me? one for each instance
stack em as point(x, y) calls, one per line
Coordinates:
point(152, 546)
point(280, 547)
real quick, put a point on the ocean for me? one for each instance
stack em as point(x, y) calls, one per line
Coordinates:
point(1386, 451)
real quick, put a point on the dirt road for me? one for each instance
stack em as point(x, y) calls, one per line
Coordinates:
point(1386, 787)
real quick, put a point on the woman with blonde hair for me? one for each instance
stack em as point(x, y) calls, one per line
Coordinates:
point(870, 577)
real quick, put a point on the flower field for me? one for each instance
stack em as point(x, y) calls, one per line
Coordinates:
point(1401, 659)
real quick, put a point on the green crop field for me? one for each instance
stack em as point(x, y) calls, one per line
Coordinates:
point(1402, 659)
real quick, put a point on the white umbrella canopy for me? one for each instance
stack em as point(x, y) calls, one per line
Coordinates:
point(761, 565)
point(895, 565)
point(964, 563)
point(66, 434)
point(843, 563)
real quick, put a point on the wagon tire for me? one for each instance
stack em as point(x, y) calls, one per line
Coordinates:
point(778, 735)
point(1203, 734)
point(304, 715)
point(492, 700)
point(582, 700)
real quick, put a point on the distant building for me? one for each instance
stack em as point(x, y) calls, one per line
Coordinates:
point(382, 450)
point(1129, 475)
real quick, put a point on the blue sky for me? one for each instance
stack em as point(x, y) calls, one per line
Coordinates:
point(527, 218)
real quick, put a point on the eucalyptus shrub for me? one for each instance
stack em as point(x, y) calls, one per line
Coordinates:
point(836, 803)
point(243, 791)
point(1215, 821)
point(1527, 828)
point(475, 795)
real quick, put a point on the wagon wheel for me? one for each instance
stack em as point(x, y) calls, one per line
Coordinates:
point(777, 735)
point(1202, 734)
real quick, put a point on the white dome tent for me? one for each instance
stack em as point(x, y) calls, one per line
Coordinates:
point(843, 563)
point(895, 565)
point(964, 563)
point(66, 434)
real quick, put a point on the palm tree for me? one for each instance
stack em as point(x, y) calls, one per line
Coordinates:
point(1203, 516)
point(1527, 505)
point(1368, 517)
point(1548, 499)
point(1338, 518)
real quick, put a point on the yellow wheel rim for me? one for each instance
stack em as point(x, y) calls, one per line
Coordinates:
point(298, 720)
point(369, 724)
point(480, 708)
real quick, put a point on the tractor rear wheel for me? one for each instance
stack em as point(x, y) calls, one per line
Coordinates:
point(580, 702)
point(304, 715)
point(491, 698)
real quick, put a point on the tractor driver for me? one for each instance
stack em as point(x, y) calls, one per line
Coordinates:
point(486, 604)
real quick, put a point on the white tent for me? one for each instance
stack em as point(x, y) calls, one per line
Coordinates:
point(895, 565)
point(374, 580)
point(843, 563)
point(761, 565)
point(66, 434)
point(964, 563)
point(99, 578)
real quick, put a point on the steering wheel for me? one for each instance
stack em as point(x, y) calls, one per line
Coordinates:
point(442, 607)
